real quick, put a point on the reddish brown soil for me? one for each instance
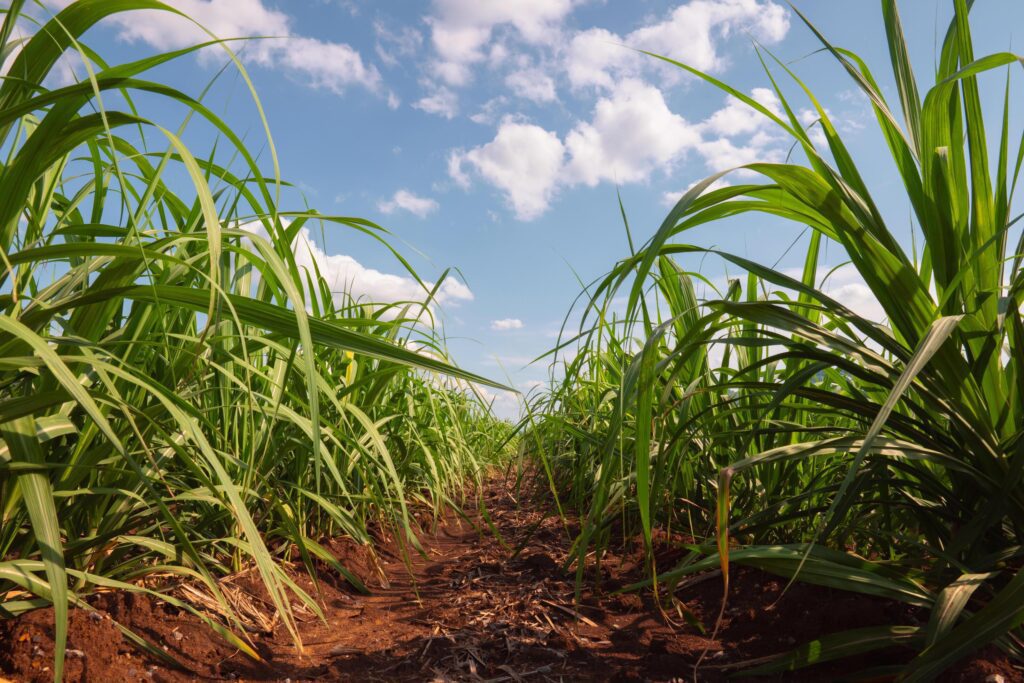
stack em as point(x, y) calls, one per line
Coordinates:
point(470, 611)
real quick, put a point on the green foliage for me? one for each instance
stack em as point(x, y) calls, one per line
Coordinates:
point(177, 395)
point(810, 430)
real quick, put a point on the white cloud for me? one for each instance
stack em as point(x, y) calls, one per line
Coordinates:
point(810, 120)
point(67, 70)
point(442, 102)
point(498, 54)
point(631, 134)
point(489, 110)
point(523, 160)
point(407, 201)
point(737, 118)
point(334, 66)
point(223, 18)
point(722, 154)
point(691, 33)
point(532, 84)
point(453, 73)
point(506, 324)
point(504, 404)
point(846, 286)
point(461, 29)
point(532, 384)
point(594, 55)
point(455, 171)
point(721, 150)
point(395, 45)
point(345, 276)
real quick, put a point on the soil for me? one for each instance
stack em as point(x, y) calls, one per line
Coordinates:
point(475, 609)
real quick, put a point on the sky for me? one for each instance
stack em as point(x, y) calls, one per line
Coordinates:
point(496, 137)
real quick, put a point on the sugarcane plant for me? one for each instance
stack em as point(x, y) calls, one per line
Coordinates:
point(878, 456)
point(179, 396)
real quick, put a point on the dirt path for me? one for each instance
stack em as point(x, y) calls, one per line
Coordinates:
point(473, 610)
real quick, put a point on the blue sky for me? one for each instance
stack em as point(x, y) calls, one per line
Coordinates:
point(492, 135)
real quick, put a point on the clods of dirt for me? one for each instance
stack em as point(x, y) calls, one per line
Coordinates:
point(474, 608)
point(96, 649)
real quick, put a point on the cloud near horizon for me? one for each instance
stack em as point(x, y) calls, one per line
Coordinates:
point(407, 201)
point(348, 279)
point(506, 324)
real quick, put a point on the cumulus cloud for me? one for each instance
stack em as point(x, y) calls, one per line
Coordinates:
point(532, 385)
point(332, 66)
point(506, 324)
point(593, 58)
point(692, 33)
point(347, 278)
point(224, 19)
point(720, 149)
point(523, 161)
point(455, 169)
point(442, 102)
point(532, 84)
point(632, 132)
point(467, 33)
point(488, 112)
point(810, 120)
point(722, 154)
point(846, 286)
point(407, 201)
point(329, 65)
point(462, 29)
point(631, 135)
point(504, 404)
point(736, 118)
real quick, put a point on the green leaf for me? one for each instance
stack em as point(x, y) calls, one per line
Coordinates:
point(20, 437)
